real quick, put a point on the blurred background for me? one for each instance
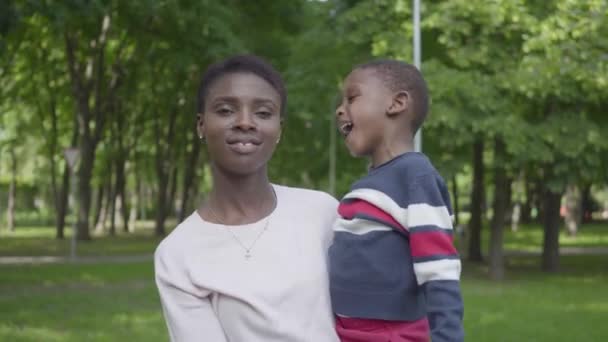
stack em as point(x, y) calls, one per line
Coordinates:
point(518, 128)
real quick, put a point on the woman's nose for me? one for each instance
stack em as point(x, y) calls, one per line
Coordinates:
point(245, 121)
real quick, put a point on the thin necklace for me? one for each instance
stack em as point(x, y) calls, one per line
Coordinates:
point(243, 246)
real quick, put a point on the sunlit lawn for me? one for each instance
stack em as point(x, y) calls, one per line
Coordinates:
point(40, 240)
point(102, 302)
point(109, 302)
point(530, 237)
point(118, 302)
point(37, 241)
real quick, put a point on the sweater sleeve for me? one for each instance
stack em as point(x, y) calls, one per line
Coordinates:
point(436, 261)
point(187, 310)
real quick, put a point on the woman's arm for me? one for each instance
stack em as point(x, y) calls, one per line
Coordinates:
point(187, 310)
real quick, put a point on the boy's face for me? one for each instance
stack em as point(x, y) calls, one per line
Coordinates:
point(362, 115)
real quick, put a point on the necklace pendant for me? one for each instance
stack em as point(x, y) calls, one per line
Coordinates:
point(247, 255)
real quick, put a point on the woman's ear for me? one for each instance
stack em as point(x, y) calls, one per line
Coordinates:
point(200, 126)
point(400, 103)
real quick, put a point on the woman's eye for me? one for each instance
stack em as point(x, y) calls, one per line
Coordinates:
point(350, 99)
point(224, 111)
point(264, 114)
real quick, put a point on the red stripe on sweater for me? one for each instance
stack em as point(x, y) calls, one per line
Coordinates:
point(351, 209)
point(429, 243)
point(376, 330)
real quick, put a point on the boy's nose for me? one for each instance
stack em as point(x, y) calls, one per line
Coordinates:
point(340, 111)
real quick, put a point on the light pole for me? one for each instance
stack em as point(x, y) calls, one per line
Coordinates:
point(72, 155)
point(417, 51)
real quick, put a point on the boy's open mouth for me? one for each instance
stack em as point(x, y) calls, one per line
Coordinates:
point(345, 128)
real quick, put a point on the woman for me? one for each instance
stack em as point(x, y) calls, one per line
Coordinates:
point(250, 263)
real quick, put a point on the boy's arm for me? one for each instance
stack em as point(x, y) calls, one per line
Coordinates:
point(436, 261)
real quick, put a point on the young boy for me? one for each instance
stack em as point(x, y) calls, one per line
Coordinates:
point(394, 271)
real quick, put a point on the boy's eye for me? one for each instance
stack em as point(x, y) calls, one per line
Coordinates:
point(351, 98)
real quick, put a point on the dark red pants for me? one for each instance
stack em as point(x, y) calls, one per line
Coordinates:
point(375, 330)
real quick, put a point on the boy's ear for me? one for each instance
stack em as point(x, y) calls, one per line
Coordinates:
point(401, 103)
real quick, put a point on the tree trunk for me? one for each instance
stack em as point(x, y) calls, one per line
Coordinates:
point(551, 222)
point(164, 169)
point(586, 204)
point(112, 205)
point(85, 171)
point(98, 205)
point(12, 191)
point(189, 178)
point(172, 191)
point(477, 195)
point(539, 196)
point(509, 197)
point(526, 207)
point(456, 201)
point(93, 92)
point(161, 207)
point(500, 203)
point(124, 202)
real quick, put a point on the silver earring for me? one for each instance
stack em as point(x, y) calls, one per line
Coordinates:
point(202, 139)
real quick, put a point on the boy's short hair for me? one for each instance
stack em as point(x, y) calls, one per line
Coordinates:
point(242, 64)
point(398, 76)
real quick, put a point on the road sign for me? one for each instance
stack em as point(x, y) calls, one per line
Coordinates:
point(71, 156)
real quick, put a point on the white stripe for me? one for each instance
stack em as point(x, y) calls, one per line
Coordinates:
point(444, 269)
point(359, 226)
point(415, 215)
point(423, 214)
point(382, 201)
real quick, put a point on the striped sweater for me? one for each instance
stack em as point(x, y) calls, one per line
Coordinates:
point(393, 256)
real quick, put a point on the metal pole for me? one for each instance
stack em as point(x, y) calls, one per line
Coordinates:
point(332, 156)
point(75, 213)
point(417, 63)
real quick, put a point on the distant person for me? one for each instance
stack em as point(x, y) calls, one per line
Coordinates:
point(394, 271)
point(250, 264)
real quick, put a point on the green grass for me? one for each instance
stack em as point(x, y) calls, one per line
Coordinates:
point(110, 302)
point(101, 302)
point(119, 302)
point(38, 241)
point(533, 306)
point(530, 237)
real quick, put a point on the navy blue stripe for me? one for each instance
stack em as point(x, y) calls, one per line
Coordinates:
point(430, 228)
point(350, 200)
point(437, 257)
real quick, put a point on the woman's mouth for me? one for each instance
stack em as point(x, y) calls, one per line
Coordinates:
point(243, 145)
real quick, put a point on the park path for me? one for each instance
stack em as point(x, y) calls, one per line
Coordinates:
point(602, 250)
point(17, 260)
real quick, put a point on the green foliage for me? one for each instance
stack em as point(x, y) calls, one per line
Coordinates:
point(534, 74)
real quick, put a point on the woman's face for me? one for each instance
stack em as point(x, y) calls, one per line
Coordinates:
point(241, 123)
